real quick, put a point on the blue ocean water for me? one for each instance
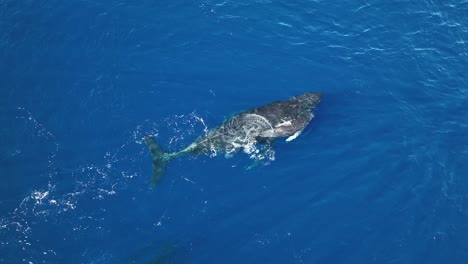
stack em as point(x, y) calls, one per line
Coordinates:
point(379, 175)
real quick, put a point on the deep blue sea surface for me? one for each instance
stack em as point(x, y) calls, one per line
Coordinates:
point(380, 175)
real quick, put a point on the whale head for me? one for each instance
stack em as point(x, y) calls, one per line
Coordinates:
point(307, 101)
point(286, 118)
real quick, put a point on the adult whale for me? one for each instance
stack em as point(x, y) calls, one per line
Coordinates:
point(258, 125)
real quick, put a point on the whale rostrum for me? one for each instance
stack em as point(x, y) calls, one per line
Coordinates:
point(258, 125)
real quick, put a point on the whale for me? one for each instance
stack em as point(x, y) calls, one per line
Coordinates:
point(261, 125)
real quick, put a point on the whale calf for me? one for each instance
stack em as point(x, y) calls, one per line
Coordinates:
point(258, 125)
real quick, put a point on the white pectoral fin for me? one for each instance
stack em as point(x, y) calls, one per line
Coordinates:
point(294, 136)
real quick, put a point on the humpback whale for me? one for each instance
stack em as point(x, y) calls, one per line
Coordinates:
point(258, 125)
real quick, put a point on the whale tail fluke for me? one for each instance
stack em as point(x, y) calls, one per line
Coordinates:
point(160, 159)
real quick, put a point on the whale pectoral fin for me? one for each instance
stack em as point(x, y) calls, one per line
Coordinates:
point(254, 164)
point(294, 136)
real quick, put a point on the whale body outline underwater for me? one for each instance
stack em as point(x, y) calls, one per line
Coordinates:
point(261, 125)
